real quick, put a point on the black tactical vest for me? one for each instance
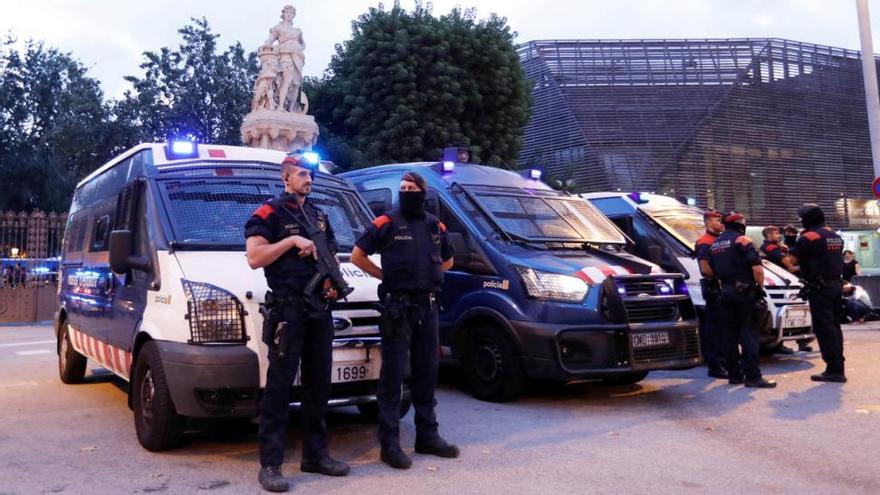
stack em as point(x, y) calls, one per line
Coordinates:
point(411, 261)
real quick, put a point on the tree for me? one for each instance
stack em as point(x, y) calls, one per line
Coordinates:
point(409, 84)
point(193, 90)
point(53, 126)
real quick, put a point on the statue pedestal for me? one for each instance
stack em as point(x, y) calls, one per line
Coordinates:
point(277, 130)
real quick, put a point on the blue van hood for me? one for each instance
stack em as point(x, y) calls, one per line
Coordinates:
point(592, 267)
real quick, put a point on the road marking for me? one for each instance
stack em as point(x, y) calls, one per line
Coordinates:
point(31, 353)
point(36, 342)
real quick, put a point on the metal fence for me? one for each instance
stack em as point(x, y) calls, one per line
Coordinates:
point(30, 251)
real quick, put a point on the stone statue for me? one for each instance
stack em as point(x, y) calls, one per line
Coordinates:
point(291, 58)
point(278, 118)
point(265, 88)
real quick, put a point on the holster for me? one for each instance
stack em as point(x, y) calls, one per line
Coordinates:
point(274, 332)
point(395, 325)
point(710, 288)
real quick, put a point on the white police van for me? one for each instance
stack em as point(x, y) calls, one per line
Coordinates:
point(155, 286)
point(664, 231)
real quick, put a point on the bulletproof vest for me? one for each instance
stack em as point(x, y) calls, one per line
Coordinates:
point(411, 262)
point(289, 274)
point(728, 260)
point(824, 259)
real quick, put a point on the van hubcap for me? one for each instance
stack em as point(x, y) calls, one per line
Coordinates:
point(148, 394)
point(489, 360)
point(62, 355)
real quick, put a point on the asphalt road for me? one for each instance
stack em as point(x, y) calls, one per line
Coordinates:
point(676, 432)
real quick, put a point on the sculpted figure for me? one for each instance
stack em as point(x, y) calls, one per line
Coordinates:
point(265, 88)
point(291, 58)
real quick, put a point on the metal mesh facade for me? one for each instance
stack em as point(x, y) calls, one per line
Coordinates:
point(756, 125)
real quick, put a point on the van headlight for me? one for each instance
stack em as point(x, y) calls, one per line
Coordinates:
point(552, 286)
point(214, 314)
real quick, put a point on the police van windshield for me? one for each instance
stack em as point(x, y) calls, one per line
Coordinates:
point(544, 216)
point(210, 213)
point(684, 223)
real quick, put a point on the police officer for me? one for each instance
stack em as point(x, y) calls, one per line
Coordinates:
point(734, 261)
point(710, 332)
point(277, 241)
point(775, 251)
point(819, 254)
point(414, 253)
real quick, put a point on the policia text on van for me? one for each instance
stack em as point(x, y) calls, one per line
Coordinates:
point(156, 288)
point(540, 286)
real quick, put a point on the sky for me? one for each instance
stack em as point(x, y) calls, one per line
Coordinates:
point(109, 36)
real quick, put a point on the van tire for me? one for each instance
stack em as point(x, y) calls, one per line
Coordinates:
point(492, 367)
point(71, 364)
point(370, 410)
point(156, 422)
point(627, 379)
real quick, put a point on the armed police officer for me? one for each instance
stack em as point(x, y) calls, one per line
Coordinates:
point(414, 253)
point(710, 331)
point(734, 261)
point(298, 334)
point(775, 251)
point(819, 255)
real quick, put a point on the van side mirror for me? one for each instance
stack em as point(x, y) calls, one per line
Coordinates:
point(432, 202)
point(462, 257)
point(655, 254)
point(121, 257)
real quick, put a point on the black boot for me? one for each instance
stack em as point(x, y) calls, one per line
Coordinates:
point(395, 457)
point(272, 480)
point(762, 383)
point(437, 446)
point(324, 465)
point(829, 377)
point(719, 373)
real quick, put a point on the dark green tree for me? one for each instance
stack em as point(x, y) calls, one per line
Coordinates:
point(54, 126)
point(193, 90)
point(409, 84)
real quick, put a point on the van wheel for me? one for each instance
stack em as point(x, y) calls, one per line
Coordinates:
point(156, 422)
point(71, 364)
point(627, 379)
point(492, 368)
point(370, 410)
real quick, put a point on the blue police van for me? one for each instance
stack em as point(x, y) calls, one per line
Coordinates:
point(542, 286)
point(155, 286)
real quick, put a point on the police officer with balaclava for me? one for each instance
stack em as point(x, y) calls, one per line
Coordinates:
point(415, 252)
point(819, 254)
point(735, 262)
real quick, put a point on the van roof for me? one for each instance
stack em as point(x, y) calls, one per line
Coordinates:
point(463, 173)
point(212, 152)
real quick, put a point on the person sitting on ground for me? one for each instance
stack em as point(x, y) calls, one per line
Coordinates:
point(856, 303)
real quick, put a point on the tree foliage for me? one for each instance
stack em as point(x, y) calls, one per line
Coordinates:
point(408, 84)
point(54, 126)
point(193, 90)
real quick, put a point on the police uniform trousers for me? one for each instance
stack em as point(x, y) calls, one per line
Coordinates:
point(736, 314)
point(710, 335)
point(825, 306)
point(410, 340)
point(309, 343)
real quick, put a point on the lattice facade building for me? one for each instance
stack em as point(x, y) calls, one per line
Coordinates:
point(756, 125)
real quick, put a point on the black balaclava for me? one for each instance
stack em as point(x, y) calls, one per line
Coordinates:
point(412, 204)
point(811, 216)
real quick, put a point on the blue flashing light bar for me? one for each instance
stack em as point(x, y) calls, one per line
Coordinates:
point(691, 202)
point(638, 197)
point(311, 157)
point(448, 166)
point(535, 174)
point(181, 148)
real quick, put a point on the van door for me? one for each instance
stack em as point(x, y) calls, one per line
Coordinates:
point(129, 299)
